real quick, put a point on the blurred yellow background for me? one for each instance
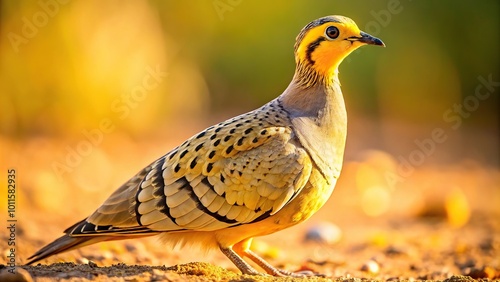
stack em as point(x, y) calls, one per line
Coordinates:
point(92, 91)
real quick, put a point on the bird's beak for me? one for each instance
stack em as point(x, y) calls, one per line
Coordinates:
point(367, 39)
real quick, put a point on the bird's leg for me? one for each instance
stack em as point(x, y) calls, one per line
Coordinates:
point(276, 271)
point(242, 265)
point(243, 248)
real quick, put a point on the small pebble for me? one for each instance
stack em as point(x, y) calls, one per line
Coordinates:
point(324, 232)
point(86, 261)
point(414, 267)
point(371, 266)
point(393, 250)
point(107, 255)
point(130, 247)
point(82, 260)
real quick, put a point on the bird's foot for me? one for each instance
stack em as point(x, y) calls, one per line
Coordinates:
point(298, 274)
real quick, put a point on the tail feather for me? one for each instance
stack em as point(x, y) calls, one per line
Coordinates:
point(63, 244)
point(84, 233)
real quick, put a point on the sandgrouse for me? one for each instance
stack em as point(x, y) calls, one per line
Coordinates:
point(249, 176)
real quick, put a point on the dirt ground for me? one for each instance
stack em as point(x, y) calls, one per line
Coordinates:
point(396, 250)
point(441, 222)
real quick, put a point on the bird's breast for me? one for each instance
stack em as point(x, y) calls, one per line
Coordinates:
point(312, 197)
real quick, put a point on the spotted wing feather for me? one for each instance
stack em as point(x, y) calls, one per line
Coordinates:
point(237, 172)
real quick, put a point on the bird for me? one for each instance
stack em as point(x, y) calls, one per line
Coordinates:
point(249, 176)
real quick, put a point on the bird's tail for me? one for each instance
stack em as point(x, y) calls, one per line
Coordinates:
point(83, 233)
point(66, 243)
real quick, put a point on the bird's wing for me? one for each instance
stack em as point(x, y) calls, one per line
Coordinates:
point(234, 173)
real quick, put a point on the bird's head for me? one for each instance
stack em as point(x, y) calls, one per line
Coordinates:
point(322, 45)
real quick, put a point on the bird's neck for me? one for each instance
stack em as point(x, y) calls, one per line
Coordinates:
point(319, 117)
point(322, 102)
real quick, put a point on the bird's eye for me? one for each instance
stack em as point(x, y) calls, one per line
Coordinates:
point(332, 32)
